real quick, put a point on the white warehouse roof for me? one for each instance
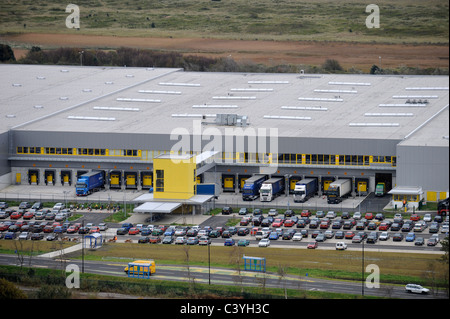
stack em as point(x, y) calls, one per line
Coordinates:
point(156, 101)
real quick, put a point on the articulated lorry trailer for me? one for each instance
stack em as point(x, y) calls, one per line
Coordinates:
point(305, 189)
point(338, 190)
point(271, 188)
point(250, 191)
point(89, 183)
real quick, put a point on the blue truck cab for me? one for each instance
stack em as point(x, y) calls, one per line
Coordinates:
point(252, 185)
point(89, 183)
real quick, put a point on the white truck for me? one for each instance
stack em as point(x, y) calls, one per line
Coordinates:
point(305, 189)
point(271, 188)
point(338, 190)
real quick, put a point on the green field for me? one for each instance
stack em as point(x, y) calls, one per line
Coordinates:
point(401, 21)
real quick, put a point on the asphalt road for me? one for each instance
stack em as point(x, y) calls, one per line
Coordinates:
point(227, 277)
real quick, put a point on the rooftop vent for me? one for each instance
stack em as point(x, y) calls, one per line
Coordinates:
point(230, 120)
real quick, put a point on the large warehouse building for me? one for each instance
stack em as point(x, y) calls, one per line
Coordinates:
point(59, 122)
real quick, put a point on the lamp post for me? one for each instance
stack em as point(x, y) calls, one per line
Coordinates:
point(209, 263)
point(362, 269)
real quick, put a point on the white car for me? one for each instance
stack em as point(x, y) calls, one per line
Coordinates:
point(265, 242)
point(59, 206)
point(297, 237)
point(341, 245)
point(427, 218)
point(180, 241)
point(384, 236)
point(357, 215)
point(331, 215)
point(418, 289)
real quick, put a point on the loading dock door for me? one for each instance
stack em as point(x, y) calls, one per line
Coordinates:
point(33, 178)
point(131, 180)
point(66, 177)
point(147, 181)
point(362, 187)
point(292, 183)
point(49, 177)
point(326, 185)
point(115, 180)
point(228, 183)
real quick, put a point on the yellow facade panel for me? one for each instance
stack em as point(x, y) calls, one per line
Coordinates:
point(178, 181)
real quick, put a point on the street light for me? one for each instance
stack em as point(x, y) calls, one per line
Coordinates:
point(362, 268)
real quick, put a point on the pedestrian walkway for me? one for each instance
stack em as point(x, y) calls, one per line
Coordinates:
point(62, 252)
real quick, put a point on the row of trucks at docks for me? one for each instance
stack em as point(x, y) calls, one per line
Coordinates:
point(269, 188)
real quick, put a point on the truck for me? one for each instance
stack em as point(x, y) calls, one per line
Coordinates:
point(338, 190)
point(250, 191)
point(271, 188)
point(89, 183)
point(305, 189)
point(380, 190)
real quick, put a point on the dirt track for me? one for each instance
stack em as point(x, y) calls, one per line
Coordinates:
point(359, 55)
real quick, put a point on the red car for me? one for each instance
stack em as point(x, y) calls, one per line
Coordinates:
point(94, 229)
point(277, 222)
point(4, 227)
point(155, 240)
point(72, 229)
point(28, 215)
point(415, 217)
point(369, 216)
point(133, 231)
point(312, 245)
point(383, 227)
point(324, 224)
point(349, 235)
point(48, 229)
point(305, 213)
point(15, 215)
point(289, 223)
point(244, 221)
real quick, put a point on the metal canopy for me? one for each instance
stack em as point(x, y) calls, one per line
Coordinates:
point(157, 207)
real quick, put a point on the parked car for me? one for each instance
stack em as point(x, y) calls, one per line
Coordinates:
point(229, 242)
point(10, 235)
point(37, 236)
point(180, 241)
point(410, 237)
point(227, 210)
point(274, 235)
point(24, 205)
point(24, 235)
point(243, 242)
point(120, 231)
point(133, 231)
point(167, 240)
point(15, 215)
point(243, 211)
point(297, 237)
point(204, 240)
point(397, 237)
point(265, 242)
point(143, 239)
point(384, 236)
point(427, 218)
point(419, 241)
point(312, 245)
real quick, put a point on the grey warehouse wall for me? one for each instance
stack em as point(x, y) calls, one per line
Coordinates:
point(425, 166)
point(288, 145)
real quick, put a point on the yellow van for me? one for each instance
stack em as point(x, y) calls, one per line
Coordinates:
point(142, 265)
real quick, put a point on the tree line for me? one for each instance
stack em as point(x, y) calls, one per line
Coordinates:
point(132, 57)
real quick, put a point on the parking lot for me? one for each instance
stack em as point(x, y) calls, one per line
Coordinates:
point(274, 228)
